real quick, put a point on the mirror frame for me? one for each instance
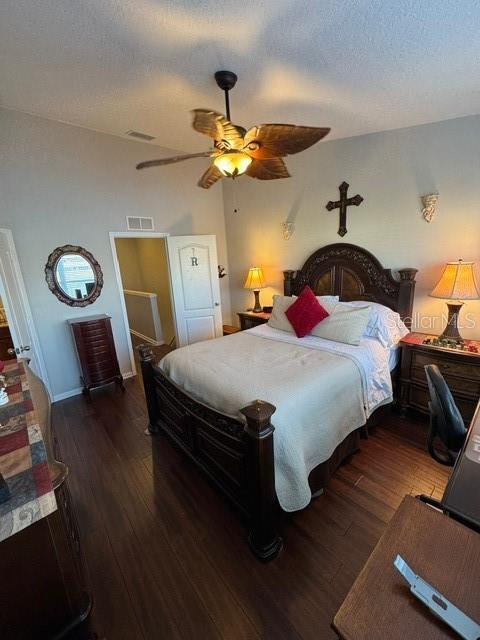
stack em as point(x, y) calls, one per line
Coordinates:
point(51, 279)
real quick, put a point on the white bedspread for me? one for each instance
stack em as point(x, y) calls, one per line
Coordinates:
point(322, 390)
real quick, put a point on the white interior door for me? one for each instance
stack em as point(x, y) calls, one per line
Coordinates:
point(14, 297)
point(195, 288)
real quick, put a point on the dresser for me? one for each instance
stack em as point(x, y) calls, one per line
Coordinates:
point(249, 319)
point(460, 368)
point(96, 351)
point(43, 589)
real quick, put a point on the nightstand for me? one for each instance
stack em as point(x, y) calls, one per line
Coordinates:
point(461, 369)
point(249, 319)
point(228, 329)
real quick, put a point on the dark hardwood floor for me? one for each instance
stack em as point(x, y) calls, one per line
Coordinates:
point(167, 556)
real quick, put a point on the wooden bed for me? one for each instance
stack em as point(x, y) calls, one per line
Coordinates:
point(237, 456)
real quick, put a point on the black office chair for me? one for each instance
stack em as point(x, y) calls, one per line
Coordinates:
point(446, 422)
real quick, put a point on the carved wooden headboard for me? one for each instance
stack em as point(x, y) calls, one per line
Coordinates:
point(354, 273)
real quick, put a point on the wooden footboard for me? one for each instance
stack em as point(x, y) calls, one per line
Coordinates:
point(237, 456)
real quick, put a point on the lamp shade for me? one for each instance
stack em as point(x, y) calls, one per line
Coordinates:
point(458, 282)
point(255, 279)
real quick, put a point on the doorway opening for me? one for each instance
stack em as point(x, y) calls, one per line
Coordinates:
point(145, 291)
point(169, 289)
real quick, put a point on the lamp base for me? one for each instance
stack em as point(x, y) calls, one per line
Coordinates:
point(257, 308)
point(451, 330)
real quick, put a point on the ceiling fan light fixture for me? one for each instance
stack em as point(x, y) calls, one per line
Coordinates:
point(257, 152)
point(232, 163)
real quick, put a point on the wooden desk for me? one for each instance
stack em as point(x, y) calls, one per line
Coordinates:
point(462, 493)
point(442, 551)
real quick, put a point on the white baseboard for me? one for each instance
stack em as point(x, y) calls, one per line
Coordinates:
point(78, 390)
point(154, 343)
point(67, 394)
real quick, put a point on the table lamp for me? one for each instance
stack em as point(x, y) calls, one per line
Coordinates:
point(457, 283)
point(255, 281)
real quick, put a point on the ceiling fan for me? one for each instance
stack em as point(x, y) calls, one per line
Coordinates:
point(257, 152)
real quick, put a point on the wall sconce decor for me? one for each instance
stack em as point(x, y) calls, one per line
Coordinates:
point(429, 206)
point(287, 229)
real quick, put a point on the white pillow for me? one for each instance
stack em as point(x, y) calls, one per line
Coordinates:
point(328, 302)
point(385, 324)
point(344, 324)
point(278, 319)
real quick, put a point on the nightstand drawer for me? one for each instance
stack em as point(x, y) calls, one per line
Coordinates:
point(465, 370)
point(248, 320)
point(419, 398)
point(461, 370)
point(249, 323)
point(461, 385)
point(453, 373)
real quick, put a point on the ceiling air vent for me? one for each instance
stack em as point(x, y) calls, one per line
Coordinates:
point(139, 135)
point(136, 223)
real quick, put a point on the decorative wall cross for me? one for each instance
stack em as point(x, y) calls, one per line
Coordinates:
point(342, 204)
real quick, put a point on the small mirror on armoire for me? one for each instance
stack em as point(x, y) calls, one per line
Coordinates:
point(73, 275)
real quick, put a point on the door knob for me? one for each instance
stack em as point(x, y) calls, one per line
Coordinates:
point(217, 304)
point(18, 350)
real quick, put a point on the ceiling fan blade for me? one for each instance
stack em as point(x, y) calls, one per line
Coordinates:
point(268, 141)
point(213, 124)
point(208, 122)
point(233, 135)
point(211, 175)
point(271, 169)
point(173, 159)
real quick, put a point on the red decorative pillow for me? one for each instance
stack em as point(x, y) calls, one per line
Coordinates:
point(305, 313)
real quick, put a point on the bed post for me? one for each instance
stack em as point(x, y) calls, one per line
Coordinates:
point(146, 363)
point(405, 297)
point(288, 277)
point(263, 537)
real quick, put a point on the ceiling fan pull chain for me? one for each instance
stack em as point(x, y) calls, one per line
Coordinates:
point(234, 197)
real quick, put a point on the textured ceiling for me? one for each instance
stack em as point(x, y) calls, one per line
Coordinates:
point(355, 65)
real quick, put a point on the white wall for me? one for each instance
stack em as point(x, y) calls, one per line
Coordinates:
point(61, 184)
point(391, 171)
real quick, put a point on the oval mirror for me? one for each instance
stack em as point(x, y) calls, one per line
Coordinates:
point(73, 275)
